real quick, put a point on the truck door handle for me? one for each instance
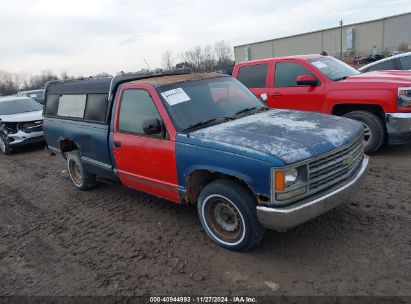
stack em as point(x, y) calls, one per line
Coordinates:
point(117, 144)
point(276, 94)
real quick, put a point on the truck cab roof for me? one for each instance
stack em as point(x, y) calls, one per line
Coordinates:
point(104, 85)
point(172, 79)
point(296, 57)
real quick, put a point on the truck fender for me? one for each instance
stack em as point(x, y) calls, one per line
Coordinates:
point(209, 174)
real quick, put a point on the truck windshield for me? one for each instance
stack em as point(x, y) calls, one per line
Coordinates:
point(201, 103)
point(333, 69)
point(19, 106)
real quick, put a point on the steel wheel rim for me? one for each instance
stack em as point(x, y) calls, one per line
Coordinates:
point(367, 133)
point(224, 219)
point(75, 172)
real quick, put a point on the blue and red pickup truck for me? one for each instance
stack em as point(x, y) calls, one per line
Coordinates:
point(205, 139)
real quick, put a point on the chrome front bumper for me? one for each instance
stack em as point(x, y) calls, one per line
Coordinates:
point(282, 219)
point(21, 138)
point(398, 127)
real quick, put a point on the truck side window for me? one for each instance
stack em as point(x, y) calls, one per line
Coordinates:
point(136, 107)
point(52, 105)
point(96, 107)
point(253, 76)
point(286, 74)
point(72, 105)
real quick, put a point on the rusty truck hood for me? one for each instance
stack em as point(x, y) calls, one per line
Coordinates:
point(291, 136)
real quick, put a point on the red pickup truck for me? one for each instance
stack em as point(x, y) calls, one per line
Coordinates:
point(381, 100)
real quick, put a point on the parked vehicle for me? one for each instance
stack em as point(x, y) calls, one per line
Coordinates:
point(206, 139)
point(396, 62)
point(21, 122)
point(381, 101)
point(37, 95)
point(227, 71)
point(368, 59)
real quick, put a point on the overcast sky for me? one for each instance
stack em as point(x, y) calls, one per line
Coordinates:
point(84, 37)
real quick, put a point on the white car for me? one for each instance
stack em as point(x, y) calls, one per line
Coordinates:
point(21, 122)
point(396, 62)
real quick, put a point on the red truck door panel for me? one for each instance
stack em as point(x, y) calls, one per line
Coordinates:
point(144, 162)
point(255, 77)
point(284, 93)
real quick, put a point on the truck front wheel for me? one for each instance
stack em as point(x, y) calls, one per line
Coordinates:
point(374, 129)
point(79, 176)
point(227, 212)
point(4, 144)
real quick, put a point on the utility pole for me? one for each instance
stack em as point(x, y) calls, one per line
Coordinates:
point(341, 36)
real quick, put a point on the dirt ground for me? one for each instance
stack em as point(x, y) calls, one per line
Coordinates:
point(55, 240)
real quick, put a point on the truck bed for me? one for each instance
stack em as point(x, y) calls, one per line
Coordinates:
point(91, 138)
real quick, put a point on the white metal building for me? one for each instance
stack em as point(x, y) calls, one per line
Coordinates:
point(381, 35)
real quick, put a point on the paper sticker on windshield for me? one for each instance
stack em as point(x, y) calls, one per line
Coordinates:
point(33, 95)
point(319, 64)
point(175, 96)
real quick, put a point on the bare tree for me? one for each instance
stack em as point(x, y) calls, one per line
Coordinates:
point(224, 54)
point(167, 61)
point(403, 47)
point(64, 75)
point(11, 83)
point(101, 75)
point(8, 83)
point(194, 58)
point(38, 81)
point(208, 57)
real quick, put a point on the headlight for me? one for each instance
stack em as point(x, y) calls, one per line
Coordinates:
point(290, 183)
point(290, 176)
point(404, 98)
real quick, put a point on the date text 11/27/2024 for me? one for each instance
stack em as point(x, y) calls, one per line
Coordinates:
point(203, 299)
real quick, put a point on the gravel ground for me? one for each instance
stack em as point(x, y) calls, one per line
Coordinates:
point(55, 240)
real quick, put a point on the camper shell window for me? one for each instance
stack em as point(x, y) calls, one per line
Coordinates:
point(79, 100)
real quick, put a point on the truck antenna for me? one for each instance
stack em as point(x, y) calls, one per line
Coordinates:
point(151, 71)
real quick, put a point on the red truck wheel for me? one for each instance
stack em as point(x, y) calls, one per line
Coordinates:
point(374, 129)
point(227, 212)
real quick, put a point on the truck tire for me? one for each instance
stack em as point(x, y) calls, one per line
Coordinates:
point(4, 144)
point(227, 212)
point(81, 179)
point(374, 129)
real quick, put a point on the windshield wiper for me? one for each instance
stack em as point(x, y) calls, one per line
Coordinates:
point(250, 109)
point(341, 78)
point(204, 123)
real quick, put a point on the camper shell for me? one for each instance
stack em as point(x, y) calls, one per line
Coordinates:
point(86, 115)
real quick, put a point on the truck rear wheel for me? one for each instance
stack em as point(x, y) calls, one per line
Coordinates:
point(81, 179)
point(227, 212)
point(374, 129)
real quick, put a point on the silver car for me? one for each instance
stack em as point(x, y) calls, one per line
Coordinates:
point(37, 95)
point(397, 62)
point(21, 122)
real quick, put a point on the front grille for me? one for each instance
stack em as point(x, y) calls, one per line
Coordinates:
point(335, 167)
point(31, 126)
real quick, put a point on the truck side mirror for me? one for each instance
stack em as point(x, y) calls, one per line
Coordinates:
point(152, 126)
point(307, 80)
point(264, 97)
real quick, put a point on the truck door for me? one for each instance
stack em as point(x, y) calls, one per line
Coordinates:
point(254, 77)
point(144, 162)
point(285, 93)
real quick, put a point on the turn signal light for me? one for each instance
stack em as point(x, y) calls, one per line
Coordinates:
point(279, 181)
